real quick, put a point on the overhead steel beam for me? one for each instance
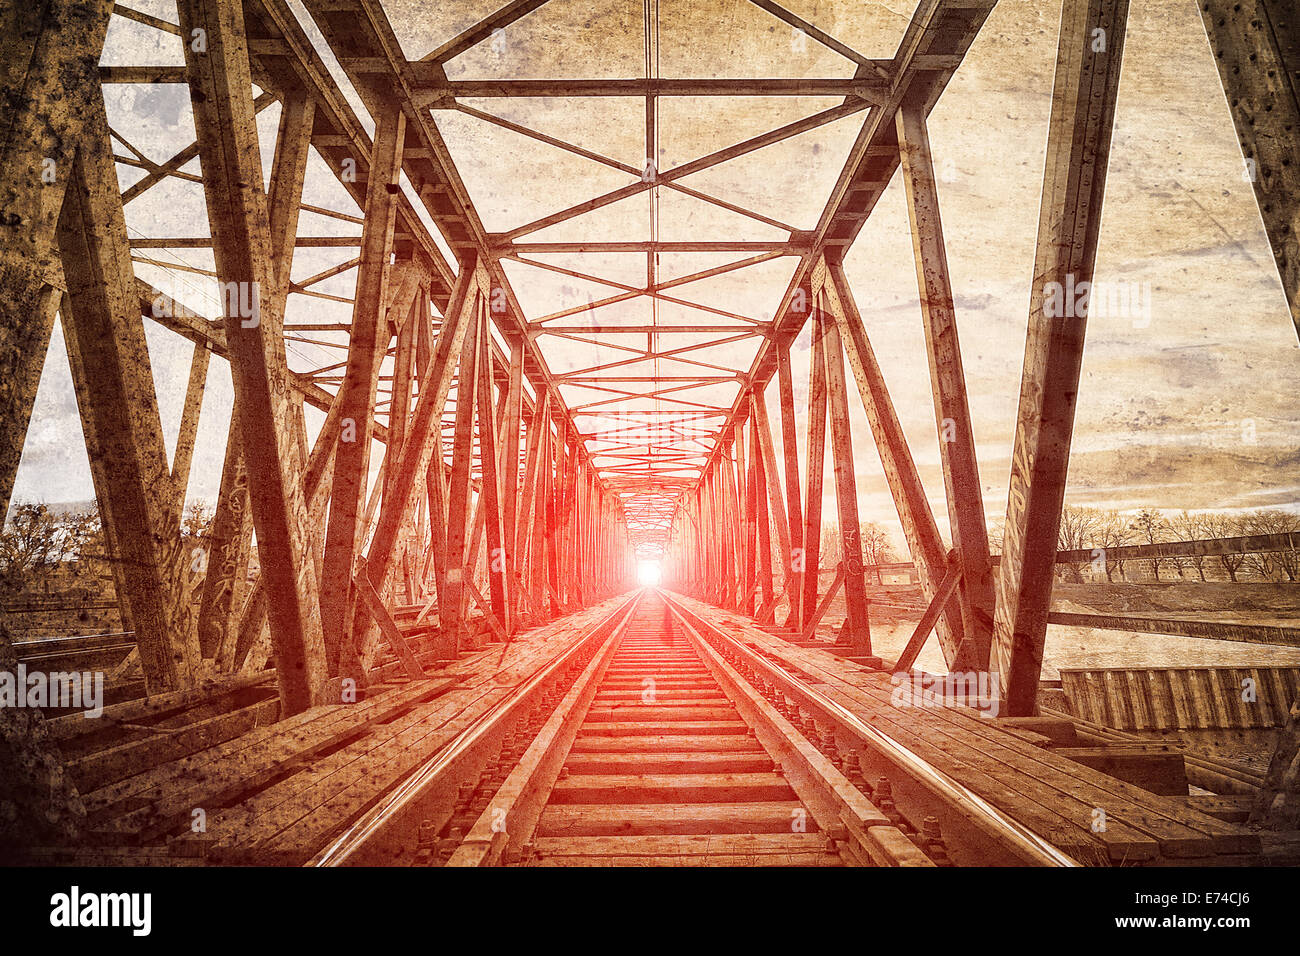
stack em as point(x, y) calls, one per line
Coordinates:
point(434, 91)
point(937, 38)
point(362, 37)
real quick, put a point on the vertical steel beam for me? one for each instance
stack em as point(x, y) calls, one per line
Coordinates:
point(948, 381)
point(247, 647)
point(451, 610)
point(568, 566)
point(538, 537)
point(733, 529)
point(554, 460)
point(858, 623)
point(510, 434)
point(1074, 185)
point(225, 123)
point(183, 456)
point(762, 521)
point(230, 535)
point(367, 345)
point(228, 545)
point(790, 454)
point(772, 485)
point(98, 476)
point(812, 532)
point(105, 335)
point(526, 522)
point(919, 528)
point(421, 465)
point(288, 170)
point(751, 527)
point(490, 480)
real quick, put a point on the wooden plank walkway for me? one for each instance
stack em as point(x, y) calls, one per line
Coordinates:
point(277, 793)
point(1049, 793)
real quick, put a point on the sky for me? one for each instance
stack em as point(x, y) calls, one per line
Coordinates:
point(1187, 399)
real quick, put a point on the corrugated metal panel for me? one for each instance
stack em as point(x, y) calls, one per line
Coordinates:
point(1181, 698)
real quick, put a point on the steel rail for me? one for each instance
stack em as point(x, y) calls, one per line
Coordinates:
point(1029, 843)
point(485, 843)
point(406, 794)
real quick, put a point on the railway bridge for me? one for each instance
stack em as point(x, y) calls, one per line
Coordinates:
point(518, 549)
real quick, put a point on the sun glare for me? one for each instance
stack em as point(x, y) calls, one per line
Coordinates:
point(648, 573)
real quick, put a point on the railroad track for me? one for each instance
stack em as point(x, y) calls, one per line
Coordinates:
point(657, 740)
point(664, 771)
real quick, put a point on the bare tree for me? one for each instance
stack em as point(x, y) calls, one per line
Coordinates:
point(1272, 565)
point(874, 540)
point(197, 521)
point(85, 531)
point(32, 541)
point(876, 546)
point(1076, 533)
point(1151, 527)
point(830, 552)
point(1225, 526)
point(997, 531)
point(1189, 526)
point(1112, 532)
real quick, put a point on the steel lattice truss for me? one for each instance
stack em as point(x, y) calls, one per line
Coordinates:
point(383, 331)
point(661, 389)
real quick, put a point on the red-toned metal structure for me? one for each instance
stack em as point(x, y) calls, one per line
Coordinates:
point(506, 493)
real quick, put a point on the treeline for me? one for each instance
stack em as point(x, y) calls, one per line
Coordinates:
point(874, 543)
point(41, 545)
point(1103, 530)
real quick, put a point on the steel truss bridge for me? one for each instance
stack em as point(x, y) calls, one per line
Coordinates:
point(415, 612)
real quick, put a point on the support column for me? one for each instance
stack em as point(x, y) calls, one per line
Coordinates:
point(758, 469)
point(228, 546)
point(509, 463)
point(732, 526)
point(961, 477)
point(105, 337)
point(772, 483)
point(846, 495)
point(451, 610)
point(367, 346)
point(812, 534)
point(919, 528)
point(490, 481)
point(751, 527)
point(526, 521)
point(225, 123)
point(183, 457)
point(419, 468)
point(1074, 184)
point(790, 453)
